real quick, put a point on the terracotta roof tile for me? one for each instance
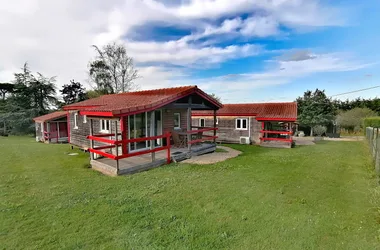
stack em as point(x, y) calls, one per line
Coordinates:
point(280, 110)
point(139, 100)
point(51, 116)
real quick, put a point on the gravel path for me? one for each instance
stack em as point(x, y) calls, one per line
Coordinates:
point(213, 157)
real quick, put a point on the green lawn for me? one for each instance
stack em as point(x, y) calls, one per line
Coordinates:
point(314, 197)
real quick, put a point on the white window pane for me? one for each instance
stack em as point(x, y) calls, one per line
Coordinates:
point(177, 120)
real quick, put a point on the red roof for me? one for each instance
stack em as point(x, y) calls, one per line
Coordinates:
point(262, 111)
point(51, 116)
point(139, 101)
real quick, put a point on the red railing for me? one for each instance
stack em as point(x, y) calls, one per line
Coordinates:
point(48, 136)
point(287, 133)
point(124, 143)
point(276, 132)
point(275, 139)
point(203, 137)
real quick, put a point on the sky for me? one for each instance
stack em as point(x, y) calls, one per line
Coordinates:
point(241, 50)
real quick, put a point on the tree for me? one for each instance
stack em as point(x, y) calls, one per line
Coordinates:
point(373, 104)
point(73, 92)
point(353, 119)
point(5, 89)
point(315, 108)
point(213, 95)
point(113, 70)
point(94, 93)
point(32, 96)
point(42, 91)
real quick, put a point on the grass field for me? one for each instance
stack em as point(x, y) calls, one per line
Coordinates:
point(314, 197)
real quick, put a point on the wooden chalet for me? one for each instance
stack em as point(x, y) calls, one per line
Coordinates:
point(135, 131)
point(267, 124)
point(52, 128)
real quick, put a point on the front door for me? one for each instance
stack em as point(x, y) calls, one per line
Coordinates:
point(53, 132)
point(139, 126)
point(62, 129)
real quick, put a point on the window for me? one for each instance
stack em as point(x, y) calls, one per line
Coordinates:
point(241, 123)
point(76, 121)
point(85, 119)
point(201, 122)
point(177, 120)
point(105, 125)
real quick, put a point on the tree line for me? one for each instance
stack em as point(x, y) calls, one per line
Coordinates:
point(32, 94)
point(316, 110)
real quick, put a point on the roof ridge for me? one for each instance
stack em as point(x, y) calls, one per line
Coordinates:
point(258, 103)
point(153, 90)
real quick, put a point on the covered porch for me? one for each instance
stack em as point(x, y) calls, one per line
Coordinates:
point(52, 128)
point(140, 141)
point(143, 162)
point(277, 133)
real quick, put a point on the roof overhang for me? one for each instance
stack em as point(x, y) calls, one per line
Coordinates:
point(224, 114)
point(147, 108)
point(276, 119)
point(37, 119)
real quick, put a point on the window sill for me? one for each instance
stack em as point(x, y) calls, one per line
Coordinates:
point(104, 131)
point(241, 129)
point(75, 127)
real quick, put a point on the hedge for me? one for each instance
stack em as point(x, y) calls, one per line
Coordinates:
point(372, 122)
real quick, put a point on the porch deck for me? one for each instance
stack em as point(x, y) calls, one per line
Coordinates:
point(144, 162)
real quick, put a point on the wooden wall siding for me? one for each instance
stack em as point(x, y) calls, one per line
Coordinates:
point(226, 128)
point(255, 131)
point(78, 136)
point(168, 119)
point(39, 134)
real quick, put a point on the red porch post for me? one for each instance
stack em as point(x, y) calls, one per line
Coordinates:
point(116, 147)
point(189, 122)
point(123, 128)
point(68, 126)
point(168, 160)
point(215, 126)
point(91, 141)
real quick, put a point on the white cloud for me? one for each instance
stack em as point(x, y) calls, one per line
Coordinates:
point(55, 37)
point(179, 53)
point(296, 12)
point(260, 26)
point(240, 88)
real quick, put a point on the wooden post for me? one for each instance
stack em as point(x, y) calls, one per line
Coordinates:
point(189, 123)
point(152, 142)
point(57, 131)
point(116, 147)
point(124, 130)
point(168, 160)
point(68, 127)
point(48, 130)
point(91, 141)
point(214, 126)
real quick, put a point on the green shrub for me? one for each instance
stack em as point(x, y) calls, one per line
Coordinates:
point(372, 122)
point(319, 130)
